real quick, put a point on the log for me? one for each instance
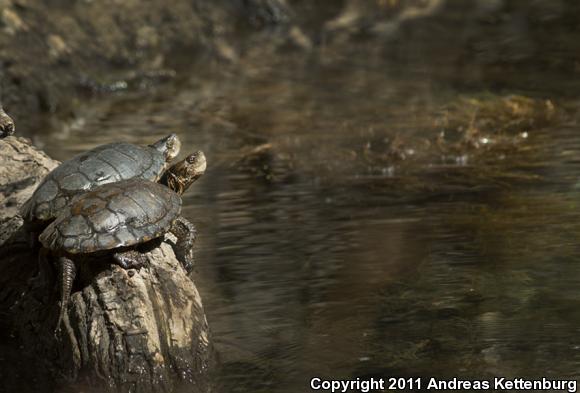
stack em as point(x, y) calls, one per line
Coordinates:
point(125, 330)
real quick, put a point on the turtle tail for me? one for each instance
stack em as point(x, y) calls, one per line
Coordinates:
point(67, 273)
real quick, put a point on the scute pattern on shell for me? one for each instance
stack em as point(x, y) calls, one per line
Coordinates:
point(113, 215)
point(105, 164)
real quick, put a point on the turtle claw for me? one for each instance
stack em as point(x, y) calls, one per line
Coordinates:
point(57, 329)
point(129, 259)
point(186, 260)
point(186, 235)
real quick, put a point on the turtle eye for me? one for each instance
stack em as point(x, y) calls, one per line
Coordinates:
point(191, 159)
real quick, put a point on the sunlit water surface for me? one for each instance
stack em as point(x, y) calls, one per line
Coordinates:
point(313, 261)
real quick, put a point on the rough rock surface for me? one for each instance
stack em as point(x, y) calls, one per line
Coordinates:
point(47, 49)
point(51, 51)
point(138, 331)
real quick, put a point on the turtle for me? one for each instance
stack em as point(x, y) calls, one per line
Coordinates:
point(6, 124)
point(118, 217)
point(104, 164)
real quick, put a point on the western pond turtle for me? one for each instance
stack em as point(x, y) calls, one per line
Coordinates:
point(104, 164)
point(117, 217)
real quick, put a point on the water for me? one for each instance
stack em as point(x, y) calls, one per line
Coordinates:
point(328, 248)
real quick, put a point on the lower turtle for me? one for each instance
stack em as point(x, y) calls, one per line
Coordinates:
point(115, 218)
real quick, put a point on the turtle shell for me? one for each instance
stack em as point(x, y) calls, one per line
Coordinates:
point(104, 164)
point(113, 215)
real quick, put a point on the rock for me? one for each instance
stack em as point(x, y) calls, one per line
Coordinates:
point(21, 168)
point(267, 12)
point(57, 47)
point(6, 124)
point(45, 61)
point(12, 22)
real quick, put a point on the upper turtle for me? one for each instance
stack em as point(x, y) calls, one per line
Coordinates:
point(6, 124)
point(104, 164)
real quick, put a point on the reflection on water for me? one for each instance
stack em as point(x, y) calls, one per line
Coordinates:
point(315, 259)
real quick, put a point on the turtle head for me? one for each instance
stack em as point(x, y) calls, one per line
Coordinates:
point(181, 175)
point(6, 124)
point(168, 146)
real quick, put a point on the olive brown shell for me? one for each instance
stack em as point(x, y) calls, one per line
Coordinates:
point(113, 215)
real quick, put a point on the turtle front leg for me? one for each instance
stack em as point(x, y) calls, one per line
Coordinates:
point(130, 259)
point(186, 234)
point(66, 272)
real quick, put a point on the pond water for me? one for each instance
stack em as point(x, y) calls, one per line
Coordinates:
point(325, 250)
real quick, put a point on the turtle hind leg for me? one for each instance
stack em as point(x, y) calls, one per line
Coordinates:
point(66, 272)
point(186, 234)
point(129, 259)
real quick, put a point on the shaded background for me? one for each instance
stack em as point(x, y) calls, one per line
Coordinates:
point(392, 186)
